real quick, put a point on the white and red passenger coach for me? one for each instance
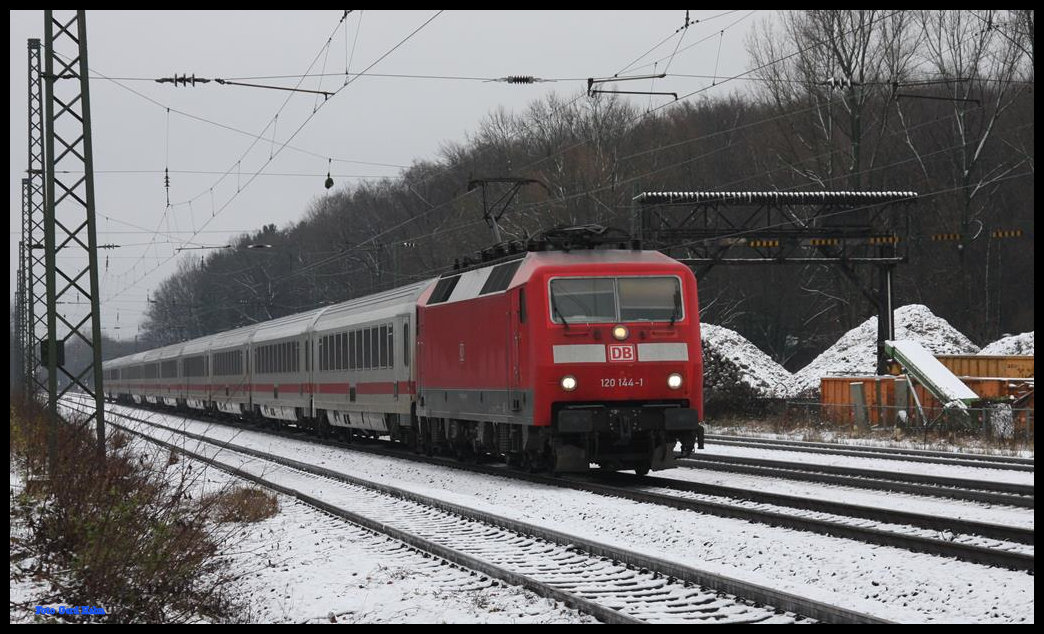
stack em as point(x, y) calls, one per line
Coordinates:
point(547, 359)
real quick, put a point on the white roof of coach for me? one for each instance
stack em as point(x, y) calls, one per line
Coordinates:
point(196, 346)
point(172, 351)
point(288, 326)
point(398, 301)
point(150, 356)
point(233, 338)
point(130, 359)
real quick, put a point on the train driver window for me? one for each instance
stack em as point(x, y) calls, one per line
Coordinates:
point(583, 299)
point(650, 299)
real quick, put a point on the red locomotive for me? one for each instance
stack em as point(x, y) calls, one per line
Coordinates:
point(548, 359)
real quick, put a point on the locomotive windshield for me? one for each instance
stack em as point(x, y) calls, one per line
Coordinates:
point(612, 299)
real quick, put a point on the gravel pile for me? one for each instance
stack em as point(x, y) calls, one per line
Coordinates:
point(736, 372)
point(855, 353)
point(1013, 345)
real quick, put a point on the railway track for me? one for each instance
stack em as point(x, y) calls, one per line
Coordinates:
point(984, 543)
point(614, 585)
point(1010, 463)
point(935, 486)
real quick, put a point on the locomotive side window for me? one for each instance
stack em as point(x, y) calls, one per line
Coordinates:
point(500, 277)
point(443, 289)
point(608, 299)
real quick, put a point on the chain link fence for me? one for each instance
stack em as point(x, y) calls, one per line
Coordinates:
point(992, 421)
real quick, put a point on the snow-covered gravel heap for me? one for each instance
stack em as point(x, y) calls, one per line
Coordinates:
point(1013, 345)
point(734, 368)
point(855, 353)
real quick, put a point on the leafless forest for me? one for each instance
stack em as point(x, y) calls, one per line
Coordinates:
point(939, 103)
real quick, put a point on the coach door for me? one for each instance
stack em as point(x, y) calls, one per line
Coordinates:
point(516, 330)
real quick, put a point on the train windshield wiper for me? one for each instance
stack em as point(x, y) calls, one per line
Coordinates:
point(555, 311)
point(676, 313)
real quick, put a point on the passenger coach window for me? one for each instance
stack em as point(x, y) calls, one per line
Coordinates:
point(375, 344)
point(351, 350)
point(367, 349)
point(383, 338)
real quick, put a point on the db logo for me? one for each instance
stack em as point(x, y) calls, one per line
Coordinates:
point(621, 352)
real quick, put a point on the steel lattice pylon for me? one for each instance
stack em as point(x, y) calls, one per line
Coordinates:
point(72, 280)
point(20, 319)
point(33, 229)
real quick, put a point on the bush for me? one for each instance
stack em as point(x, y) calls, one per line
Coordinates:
point(121, 533)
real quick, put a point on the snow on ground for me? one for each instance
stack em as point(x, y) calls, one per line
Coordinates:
point(24, 586)
point(1013, 345)
point(888, 582)
point(729, 357)
point(305, 566)
point(855, 353)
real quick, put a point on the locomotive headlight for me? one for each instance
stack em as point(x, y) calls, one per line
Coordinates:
point(620, 332)
point(674, 381)
point(568, 383)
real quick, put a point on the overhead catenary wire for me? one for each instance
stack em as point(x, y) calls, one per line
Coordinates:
point(256, 138)
point(294, 134)
point(579, 143)
point(568, 148)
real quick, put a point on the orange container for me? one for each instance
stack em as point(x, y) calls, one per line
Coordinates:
point(1008, 366)
point(879, 395)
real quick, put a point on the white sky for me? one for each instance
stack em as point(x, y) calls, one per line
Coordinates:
point(371, 128)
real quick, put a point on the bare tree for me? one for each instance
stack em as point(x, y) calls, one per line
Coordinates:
point(980, 65)
point(830, 72)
